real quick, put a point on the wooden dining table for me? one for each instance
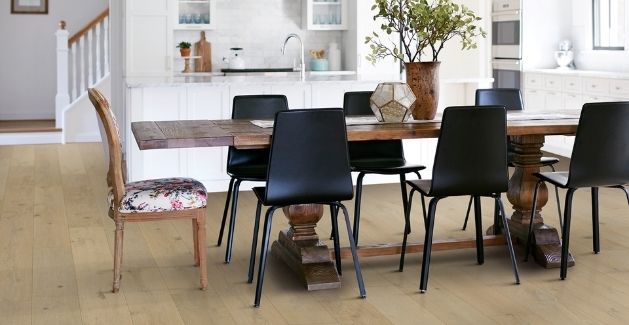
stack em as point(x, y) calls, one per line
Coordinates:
point(300, 247)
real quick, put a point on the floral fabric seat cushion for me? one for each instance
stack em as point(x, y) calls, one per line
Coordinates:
point(165, 194)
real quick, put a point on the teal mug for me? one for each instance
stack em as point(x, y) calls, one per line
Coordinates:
point(319, 64)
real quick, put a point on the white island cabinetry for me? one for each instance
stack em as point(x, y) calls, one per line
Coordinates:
point(553, 89)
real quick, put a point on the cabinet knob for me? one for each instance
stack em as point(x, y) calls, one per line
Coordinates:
point(593, 86)
point(617, 88)
point(571, 84)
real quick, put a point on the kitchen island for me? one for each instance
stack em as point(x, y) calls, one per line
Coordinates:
point(210, 97)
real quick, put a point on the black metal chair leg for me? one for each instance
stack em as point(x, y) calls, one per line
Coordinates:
point(337, 245)
point(565, 237)
point(478, 220)
point(352, 245)
point(227, 200)
point(263, 252)
point(359, 192)
point(596, 244)
point(407, 220)
point(626, 192)
point(558, 200)
point(497, 218)
point(530, 233)
point(423, 281)
point(232, 222)
point(405, 206)
point(423, 207)
point(333, 210)
point(507, 233)
point(467, 214)
point(254, 242)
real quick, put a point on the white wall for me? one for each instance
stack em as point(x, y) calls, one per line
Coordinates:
point(544, 24)
point(259, 27)
point(585, 57)
point(28, 61)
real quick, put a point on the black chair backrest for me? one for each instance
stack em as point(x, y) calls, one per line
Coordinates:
point(510, 98)
point(253, 107)
point(600, 155)
point(387, 151)
point(471, 157)
point(309, 161)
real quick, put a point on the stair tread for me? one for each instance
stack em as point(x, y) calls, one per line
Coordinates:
point(11, 126)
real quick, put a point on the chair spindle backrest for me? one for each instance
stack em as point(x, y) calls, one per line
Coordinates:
point(600, 155)
point(471, 157)
point(309, 160)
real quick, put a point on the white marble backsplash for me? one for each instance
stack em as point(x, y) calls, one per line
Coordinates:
point(260, 27)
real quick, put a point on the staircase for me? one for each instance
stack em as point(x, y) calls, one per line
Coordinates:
point(82, 62)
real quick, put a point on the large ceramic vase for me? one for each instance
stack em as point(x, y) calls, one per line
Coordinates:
point(423, 78)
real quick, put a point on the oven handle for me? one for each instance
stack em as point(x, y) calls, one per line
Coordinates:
point(513, 15)
point(513, 65)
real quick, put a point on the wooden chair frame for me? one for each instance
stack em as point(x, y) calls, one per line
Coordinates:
point(116, 178)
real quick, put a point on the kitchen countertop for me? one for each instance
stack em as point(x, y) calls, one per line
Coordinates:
point(582, 73)
point(288, 77)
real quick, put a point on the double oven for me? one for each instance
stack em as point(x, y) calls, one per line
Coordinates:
point(506, 43)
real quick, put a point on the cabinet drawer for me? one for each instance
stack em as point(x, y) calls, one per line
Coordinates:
point(596, 99)
point(596, 86)
point(534, 100)
point(619, 87)
point(572, 101)
point(553, 100)
point(572, 84)
point(532, 80)
point(552, 82)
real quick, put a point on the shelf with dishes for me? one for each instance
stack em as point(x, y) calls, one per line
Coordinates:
point(324, 15)
point(195, 15)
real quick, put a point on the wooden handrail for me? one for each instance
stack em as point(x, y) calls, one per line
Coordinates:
point(87, 27)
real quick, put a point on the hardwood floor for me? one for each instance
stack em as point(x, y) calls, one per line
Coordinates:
point(10, 126)
point(56, 261)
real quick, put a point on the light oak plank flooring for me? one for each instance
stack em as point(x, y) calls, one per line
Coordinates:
point(56, 245)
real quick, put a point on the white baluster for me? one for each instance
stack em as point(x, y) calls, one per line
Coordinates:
point(62, 99)
point(90, 59)
point(83, 76)
point(106, 44)
point(75, 63)
point(98, 60)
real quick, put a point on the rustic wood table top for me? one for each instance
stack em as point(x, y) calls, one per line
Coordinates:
point(243, 134)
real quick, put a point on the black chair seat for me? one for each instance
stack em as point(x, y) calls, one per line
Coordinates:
point(422, 185)
point(556, 178)
point(385, 167)
point(248, 172)
point(545, 161)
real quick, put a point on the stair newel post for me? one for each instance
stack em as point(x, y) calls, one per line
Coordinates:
point(62, 99)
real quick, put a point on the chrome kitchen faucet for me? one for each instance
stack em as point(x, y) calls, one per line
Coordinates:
point(302, 70)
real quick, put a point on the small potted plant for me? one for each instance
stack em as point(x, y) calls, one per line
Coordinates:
point(184, 48)
point(423, 27)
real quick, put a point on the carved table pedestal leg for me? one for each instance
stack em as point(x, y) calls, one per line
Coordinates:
point(300, 248)
point(546, 240)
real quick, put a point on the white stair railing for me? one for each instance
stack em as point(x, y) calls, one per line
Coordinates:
point(82, 61)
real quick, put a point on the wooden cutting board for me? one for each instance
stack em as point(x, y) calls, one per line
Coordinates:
point(203, 49)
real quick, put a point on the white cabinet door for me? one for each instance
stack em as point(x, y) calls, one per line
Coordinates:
point(534, 100)
point(327, 95)
point(207, 164)
point(297, 94)
point(572, 101)
point(148, 38)
point(553, 100)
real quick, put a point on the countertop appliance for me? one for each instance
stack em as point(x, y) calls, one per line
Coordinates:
point(506, 43)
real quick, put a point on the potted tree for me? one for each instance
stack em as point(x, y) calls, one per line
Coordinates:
point(184, 48)
point(423, 28)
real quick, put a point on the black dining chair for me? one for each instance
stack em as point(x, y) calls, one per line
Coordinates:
point(308, 165)
point(471, 159)
point(384, 157)
point(511, 98)
point(247, 164)
point(600, 158)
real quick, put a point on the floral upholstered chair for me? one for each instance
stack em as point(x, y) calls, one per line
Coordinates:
point(155, 199)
